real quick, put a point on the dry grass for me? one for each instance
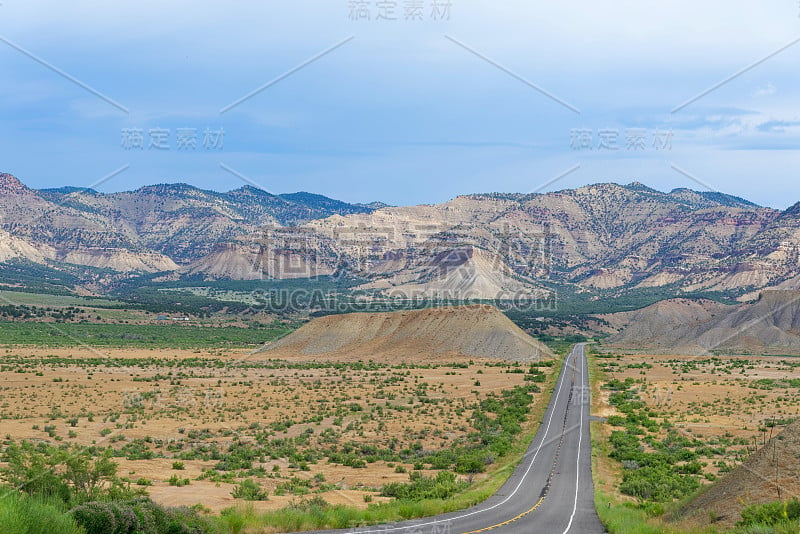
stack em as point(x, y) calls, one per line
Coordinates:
point(182, 404)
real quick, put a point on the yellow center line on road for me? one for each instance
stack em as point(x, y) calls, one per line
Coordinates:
point(504, 523)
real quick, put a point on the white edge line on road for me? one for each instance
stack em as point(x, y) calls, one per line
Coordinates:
point(578, 460)
point(524, 476)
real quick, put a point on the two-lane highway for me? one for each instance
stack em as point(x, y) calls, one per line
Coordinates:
point(550, 491)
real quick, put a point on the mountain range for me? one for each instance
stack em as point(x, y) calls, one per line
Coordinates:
point(603, 238)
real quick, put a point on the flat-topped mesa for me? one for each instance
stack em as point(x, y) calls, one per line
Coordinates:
point(10, 185)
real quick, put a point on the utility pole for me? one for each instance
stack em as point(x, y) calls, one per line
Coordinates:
point(775, 459)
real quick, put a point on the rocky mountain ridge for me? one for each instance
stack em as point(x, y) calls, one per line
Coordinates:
point(155, 228)
point(604, 237)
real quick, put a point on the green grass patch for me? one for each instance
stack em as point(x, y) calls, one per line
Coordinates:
point(21, 514)
point(167, 336)
point(624, 518)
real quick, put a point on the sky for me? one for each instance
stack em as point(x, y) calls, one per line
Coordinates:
point(407, 101)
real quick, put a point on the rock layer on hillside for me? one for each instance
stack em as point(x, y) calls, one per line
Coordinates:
point(462, 273)
point(234, 261)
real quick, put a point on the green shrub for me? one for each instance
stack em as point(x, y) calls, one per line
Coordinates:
point(771, 513)
point(470, 464)
point(138, 516)
point(294, 486)
point(177, 481)
point(616, 420)
point(70, 474)
point(249, 490)
point(31, 469)
point(106, 518)
point(420, 487)
point(658, 484)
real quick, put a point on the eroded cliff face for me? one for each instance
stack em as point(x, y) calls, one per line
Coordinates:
point(603, 236)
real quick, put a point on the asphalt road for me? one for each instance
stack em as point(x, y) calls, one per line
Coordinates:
point(551, 489)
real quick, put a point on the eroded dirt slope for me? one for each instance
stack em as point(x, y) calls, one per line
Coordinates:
point(477, 331)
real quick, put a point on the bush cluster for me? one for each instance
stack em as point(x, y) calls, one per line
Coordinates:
point(139, 516)
point(666, 473)
point(420, 487)
point(250, 490)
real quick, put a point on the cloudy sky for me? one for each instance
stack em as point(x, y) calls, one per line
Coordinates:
point(407, 101)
